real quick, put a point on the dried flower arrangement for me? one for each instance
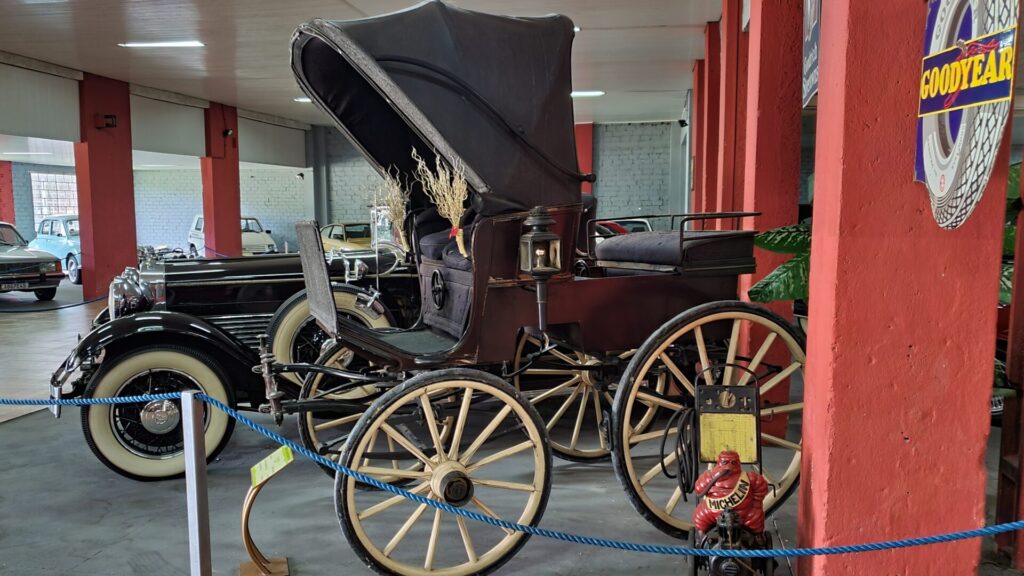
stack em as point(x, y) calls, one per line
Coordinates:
point(447, 189)
point(389, 193)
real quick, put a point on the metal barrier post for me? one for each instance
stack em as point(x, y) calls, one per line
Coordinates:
point(195, 484)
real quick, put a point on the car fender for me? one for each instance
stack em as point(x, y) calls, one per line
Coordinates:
point(122, 335)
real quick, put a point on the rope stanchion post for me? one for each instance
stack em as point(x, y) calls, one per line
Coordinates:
point(192, 409)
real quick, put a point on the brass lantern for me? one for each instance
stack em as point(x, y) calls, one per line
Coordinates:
point(540, 249)
point(540, 256)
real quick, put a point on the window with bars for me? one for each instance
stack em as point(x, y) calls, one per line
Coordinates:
point(53, 194)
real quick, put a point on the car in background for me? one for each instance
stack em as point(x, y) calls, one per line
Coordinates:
point(351, 236)
point(633, 224)
point(255, 240)
point(59, 236)
point(23, 269)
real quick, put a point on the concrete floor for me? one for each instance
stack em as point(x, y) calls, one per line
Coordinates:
point(62, 512)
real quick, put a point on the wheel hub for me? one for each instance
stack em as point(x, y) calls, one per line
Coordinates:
point(590, 377)
point(451, 483)
point(160, 416)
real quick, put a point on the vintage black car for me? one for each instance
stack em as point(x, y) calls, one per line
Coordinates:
point(195, 324)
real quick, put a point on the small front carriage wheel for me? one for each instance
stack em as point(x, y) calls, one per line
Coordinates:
point(144, 441)
point(721, 343)
point(496, 462)
point(570, 391)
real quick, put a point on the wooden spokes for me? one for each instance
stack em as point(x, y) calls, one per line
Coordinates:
point(572, 392)
point(495, 461)
point(732, 344)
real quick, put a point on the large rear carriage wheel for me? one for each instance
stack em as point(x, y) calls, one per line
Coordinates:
point(496, 462)
point(722, 343)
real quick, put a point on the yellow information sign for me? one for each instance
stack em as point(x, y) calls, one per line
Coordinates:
point(724, 431)
point(266, 469)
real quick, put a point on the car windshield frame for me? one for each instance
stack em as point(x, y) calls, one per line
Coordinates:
point(363, 231)
point(18, 239)
point(247, 228)
point(71, 226)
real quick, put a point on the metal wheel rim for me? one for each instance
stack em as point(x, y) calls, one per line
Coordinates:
point(117, 414)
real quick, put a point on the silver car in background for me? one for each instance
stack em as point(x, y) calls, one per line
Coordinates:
point(23, 269)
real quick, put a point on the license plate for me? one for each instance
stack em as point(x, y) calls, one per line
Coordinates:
point(55, 394)
point(14, 286)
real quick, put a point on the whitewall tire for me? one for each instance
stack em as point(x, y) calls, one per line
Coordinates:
point(144, 441)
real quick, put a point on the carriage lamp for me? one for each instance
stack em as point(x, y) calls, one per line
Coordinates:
point(540, 256)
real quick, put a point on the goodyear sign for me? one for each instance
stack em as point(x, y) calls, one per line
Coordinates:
point(966, 82)
point(972, 73)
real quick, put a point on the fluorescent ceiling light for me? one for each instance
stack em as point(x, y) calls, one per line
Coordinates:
point(159, 165)
point(303, 99)
point(176, 44)
point(27, 153)
point(586, 93)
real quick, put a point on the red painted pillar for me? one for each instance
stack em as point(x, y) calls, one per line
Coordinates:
point(697, 137)
point(585, 152)
point(902, 316)
point(729, 95)
point(6, 192)
point(106, 195)
point(712, 70)
point(771, 182)
point(221, 192)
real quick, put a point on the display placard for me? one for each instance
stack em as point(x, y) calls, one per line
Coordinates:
point(812, 37)
point(268, 467)
point(966, 83)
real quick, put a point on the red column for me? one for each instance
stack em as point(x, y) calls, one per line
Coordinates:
point(221, 193)
point(585, 152)
point(902, 316)
point(771, 183)
point(712, 68)
point(106, 196)
point(6, 193)
point(697, 137)
point(729, 95)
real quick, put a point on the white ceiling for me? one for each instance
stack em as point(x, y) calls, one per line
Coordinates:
point(640, 52)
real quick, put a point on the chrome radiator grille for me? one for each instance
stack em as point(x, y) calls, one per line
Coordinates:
point(246, 328)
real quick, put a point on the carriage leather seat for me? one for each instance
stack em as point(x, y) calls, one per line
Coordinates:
point(700, 250)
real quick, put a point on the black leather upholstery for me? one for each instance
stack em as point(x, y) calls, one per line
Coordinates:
point(662, 247)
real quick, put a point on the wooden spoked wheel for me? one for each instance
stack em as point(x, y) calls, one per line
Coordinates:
point(732, 343)
point(325, 431)
point(569, 390)
point(496, 462)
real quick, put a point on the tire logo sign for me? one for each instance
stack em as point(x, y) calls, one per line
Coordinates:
point(965, 88)
point(437, 289)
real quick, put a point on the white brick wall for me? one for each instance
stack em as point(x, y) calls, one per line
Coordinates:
point(632, 163)
point(277, 198)
point(22, 183)
point(166, 201)
point(350, 177)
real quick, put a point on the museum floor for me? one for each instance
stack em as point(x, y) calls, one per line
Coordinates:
point(62, 512)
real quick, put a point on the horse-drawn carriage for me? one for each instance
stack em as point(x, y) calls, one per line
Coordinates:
point(606, 363)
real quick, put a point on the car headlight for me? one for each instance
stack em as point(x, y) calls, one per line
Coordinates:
point(126, 295)
point(48, 267)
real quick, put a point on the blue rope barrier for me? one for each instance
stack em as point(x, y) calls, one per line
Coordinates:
point(91, 401)
point(535, 530)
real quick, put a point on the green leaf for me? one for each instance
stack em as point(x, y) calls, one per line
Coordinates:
point(1001, 380)
point(787, 282)
point(1013, 182)
point(1009, 239)
point(793, 239)
point(1005, 284)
